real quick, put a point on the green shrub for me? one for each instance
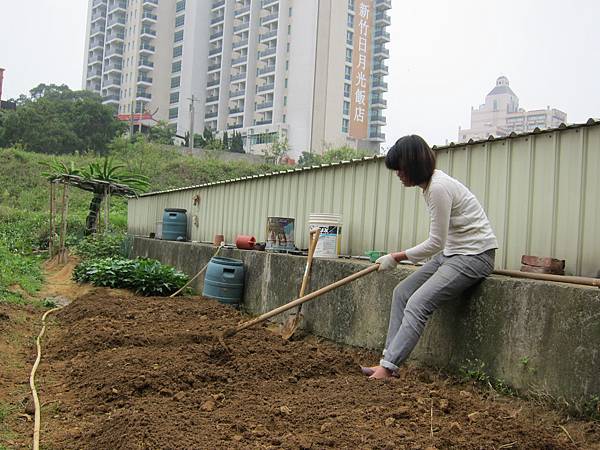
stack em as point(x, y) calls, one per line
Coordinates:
point(144, 276)
point(101, 246)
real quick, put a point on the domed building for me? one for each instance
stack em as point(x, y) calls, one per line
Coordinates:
point(500, 115)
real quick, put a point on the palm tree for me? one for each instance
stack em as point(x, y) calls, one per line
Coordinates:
point(110, 174)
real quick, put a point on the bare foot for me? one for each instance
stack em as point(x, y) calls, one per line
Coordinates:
point(381, 373)
point(368, 371)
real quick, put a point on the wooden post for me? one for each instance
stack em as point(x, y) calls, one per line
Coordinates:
point(106, 208)
point(63, 233)
point(51, 236)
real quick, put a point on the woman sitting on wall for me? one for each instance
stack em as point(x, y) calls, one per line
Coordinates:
point(461, 242)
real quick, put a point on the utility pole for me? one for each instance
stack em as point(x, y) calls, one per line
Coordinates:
point(191, 139)
point(131, 121)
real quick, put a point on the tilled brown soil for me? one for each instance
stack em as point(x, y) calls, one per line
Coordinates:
point(149, 373)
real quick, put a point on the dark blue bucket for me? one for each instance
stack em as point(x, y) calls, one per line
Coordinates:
point(174, 226)
point(224, 280)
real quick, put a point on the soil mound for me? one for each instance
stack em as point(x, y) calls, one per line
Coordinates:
point(134, 373)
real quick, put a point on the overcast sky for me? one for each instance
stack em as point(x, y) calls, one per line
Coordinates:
point(445, 56)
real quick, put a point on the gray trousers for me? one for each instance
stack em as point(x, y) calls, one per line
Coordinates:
point(420, 294)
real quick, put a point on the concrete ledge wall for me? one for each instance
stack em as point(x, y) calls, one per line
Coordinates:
point(535, 336)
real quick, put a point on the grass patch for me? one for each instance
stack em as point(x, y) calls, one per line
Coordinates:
point(475, 371)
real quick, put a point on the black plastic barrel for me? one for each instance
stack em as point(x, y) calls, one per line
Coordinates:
point(174, 226)
point(224, 280)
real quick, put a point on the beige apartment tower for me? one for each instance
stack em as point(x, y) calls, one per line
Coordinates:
point(309, 71)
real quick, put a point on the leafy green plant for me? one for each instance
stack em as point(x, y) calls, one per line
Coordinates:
point(101, 246)
point(475, 371)
point(144, 276)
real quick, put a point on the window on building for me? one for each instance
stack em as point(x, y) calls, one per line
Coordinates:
point(349, 55)
point(289, 29)
point(348, 73)
point(285, 100)
point(179, 36)
point(351, 5)
point(349, 37)
point(173, 113)
point(345, 125)
point(176, 67)
point(346, 108)
point(287, 65)
point(288, 47)
point(286, 83)
point(175, 82)
point(177, 51)
point(174, 98)
point(346, 90)
point(179, 21)
point(179, 6)
point(290, 12)
point(350, 21)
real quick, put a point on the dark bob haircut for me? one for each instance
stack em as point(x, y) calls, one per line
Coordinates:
point(412, 156)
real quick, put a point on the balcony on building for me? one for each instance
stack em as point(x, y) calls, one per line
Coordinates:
point(241, 11)
point(112, 82)
point(377, 119)
point(96, 44)
point(142, 95)
point(110, 99)
point(115, 37)
point(116, 22)
point(267, 121)
point(150, 3)
point(211, 114)
point(381, 18)
point(145, 64)
point(265, 87)
point(215, 51)
point(378, 102)
point(264, 105)
point(144, 79)
point(98, 3)
point(382, 5)
point(218, 4)
point(239, 60)
point(95, 59)
point(237, 76)
point(97, 31)
point(113, 66)
point(114, 51)
point(214, 67)
point(242, 43)
point(148, 17)
point(147, 33)
point(269, 18)
point(147, 48)
point(98, 16)
point(236, 110)
point(216, 35)
point(380, 68)
point(268, 52)
point(264, 37)
point(382, 36)
point(93, 86)
point(241, 26)
point(216, 82)
point(238, 93)
point(93, 74)
point(212, 99)
point(234, 126)
point(118, 6)
point(266, 70)
point(217, 19)
point(379, 85)
point(377, 136)
point(381, 51)
point(266, 3)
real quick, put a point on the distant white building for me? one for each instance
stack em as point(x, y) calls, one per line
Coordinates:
point(500, 115)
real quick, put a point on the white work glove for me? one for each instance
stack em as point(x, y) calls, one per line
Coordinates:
point(386, 262)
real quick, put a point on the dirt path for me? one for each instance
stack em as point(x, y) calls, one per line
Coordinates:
point(125, 372)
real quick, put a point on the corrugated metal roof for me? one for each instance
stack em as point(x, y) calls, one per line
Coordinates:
point(590, 122)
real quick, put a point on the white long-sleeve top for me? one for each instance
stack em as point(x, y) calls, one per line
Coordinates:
point(459, 225)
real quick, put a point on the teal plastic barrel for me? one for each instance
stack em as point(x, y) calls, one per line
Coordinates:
point(224, 280)
point(174, 226)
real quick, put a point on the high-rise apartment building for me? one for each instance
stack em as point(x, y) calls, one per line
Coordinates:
point(309, 71)
point(500, 115)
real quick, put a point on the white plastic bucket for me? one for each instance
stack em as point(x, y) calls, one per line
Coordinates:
point(330, 239)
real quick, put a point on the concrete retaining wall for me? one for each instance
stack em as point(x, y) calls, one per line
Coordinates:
point(532, 335)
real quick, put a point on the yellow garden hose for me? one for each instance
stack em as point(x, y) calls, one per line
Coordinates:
point(36, 400)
